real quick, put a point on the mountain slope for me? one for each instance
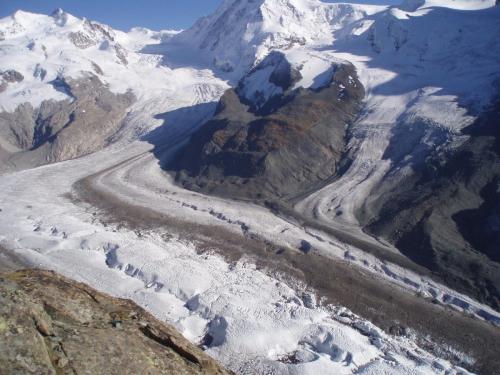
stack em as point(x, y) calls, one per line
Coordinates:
point(70, 86)
point(435, 167)
point(445, 214)
point(241, 33)
point(270, 138)
point(426, 81)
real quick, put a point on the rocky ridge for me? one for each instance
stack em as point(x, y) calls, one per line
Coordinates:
point(269, 138)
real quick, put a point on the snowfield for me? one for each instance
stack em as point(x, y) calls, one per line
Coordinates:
point(250, 319)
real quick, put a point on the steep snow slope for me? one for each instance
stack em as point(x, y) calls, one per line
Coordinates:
point(241, 33)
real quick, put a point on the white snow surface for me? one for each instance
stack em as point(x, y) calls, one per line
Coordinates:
point(412, 5)
point(257, 87)
point(242, 33)
point(433, 63)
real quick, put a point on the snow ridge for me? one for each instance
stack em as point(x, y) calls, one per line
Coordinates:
point(241, 33)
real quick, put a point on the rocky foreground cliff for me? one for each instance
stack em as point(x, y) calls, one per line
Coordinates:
point(52, 325)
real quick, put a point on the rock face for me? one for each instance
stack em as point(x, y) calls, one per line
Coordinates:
point(67, 129)
point(270, 139)
point(11, 76)
point(445, 215)
point(51, 325)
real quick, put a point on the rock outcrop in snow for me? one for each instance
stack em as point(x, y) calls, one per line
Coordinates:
point(62, 130)
point(270, 138)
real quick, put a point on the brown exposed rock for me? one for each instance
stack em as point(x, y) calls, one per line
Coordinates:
point(52, 325)
point(278, 147)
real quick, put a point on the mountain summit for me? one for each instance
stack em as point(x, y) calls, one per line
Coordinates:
point(241, 32)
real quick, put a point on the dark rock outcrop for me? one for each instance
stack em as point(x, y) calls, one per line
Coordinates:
point(268, 139)
point(445, 214)
point(52, 325)
point(11, 76)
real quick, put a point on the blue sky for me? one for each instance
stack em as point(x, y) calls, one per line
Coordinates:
point(124, 14)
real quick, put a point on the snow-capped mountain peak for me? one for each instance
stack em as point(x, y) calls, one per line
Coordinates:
point(241, 33)
point(36, 50)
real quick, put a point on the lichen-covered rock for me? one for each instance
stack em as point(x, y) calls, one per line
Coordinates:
point(52, 325)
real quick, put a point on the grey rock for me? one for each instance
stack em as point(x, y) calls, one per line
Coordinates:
point(82, 40)
point(97, 68)
point(11, 76)
point(67, 129)
point(121, 54)
point(39, 72)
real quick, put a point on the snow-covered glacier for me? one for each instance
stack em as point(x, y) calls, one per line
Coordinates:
point(309, 282)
